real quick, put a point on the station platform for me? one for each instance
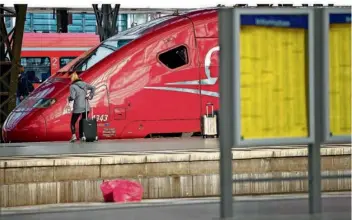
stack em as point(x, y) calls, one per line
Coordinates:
point(55, 173)
point(289, 207)
point(132, 146)
point(103, 147)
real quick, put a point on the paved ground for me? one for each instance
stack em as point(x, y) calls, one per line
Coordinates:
point(116, 146)
point(335, 207)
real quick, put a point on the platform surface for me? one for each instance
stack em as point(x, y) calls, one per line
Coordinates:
point(114, 146)
point(336, 206)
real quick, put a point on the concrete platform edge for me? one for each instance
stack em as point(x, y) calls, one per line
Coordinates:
point(67, 207)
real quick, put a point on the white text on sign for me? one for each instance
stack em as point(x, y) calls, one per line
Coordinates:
point(101, 118)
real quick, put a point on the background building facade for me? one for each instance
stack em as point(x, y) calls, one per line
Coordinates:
point(81, 22)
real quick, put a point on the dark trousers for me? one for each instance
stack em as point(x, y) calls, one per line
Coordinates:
point(74, 118)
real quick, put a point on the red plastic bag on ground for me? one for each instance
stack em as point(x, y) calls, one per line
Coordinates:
point(106, 188)
point(121, 191)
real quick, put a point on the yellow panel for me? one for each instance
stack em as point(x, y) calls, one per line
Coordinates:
point(340, 79)
point(273, 82)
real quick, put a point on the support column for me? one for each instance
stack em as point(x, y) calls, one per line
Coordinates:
point(9, 73)
point(314, 157)
point(2, 46)
point(62, 20)
point(16, 51)
point(106, 20)
point(227, 48)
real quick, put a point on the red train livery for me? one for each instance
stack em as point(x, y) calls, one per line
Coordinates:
point(155, 78)
point(46, 53)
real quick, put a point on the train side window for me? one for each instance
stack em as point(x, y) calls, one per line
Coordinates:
point(175, 57)
point(37, 69)
point(65, 60)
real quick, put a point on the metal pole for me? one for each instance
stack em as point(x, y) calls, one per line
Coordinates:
point(114, 27)
point(2, 45)
point(21, 10)
point(314, 158)
point(105, 10)
point(226, 43)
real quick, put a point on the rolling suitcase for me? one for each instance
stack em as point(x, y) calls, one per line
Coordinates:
point(88, 128)
point(209, 123)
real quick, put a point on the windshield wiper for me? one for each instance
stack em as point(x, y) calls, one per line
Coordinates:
point(76, 64)
point(109, 47)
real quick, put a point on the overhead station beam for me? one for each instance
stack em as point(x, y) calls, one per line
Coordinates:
point(11, 45)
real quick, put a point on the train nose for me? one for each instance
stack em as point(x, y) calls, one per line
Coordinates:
point(24, 127)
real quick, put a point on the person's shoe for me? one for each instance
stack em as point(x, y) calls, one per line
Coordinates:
point(73, 138)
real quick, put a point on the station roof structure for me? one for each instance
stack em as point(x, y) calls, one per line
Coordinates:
point(122, 10)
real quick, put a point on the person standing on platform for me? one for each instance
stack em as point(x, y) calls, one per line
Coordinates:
point(24, 86)
point(78, 94)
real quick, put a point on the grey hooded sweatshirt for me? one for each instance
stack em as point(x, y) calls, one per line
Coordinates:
point(78, 93)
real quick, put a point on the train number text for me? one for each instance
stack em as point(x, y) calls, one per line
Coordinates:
point(101, 118)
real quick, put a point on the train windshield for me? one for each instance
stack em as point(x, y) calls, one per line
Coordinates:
point(114, 43)
point(102, 51)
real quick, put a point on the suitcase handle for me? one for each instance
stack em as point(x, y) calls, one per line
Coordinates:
point(212, 109)
point(87, 108)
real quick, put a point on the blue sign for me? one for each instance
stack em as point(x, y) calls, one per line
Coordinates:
point(340, 18)
point(290, 21)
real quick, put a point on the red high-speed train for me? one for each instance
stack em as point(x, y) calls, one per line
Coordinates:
point(152, 79)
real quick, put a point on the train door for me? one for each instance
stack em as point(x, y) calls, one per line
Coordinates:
point(100, 110)
point(182, 82)
point(172, 93)
point(208, 67)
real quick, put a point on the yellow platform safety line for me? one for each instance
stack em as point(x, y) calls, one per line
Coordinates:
point(274, 91)
point(340, 79)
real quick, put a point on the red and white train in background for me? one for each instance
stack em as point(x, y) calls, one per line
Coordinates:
point(46, 53)
point(155, 78)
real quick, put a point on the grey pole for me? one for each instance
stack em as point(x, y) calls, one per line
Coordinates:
point(314, 159)
point(226, 43)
